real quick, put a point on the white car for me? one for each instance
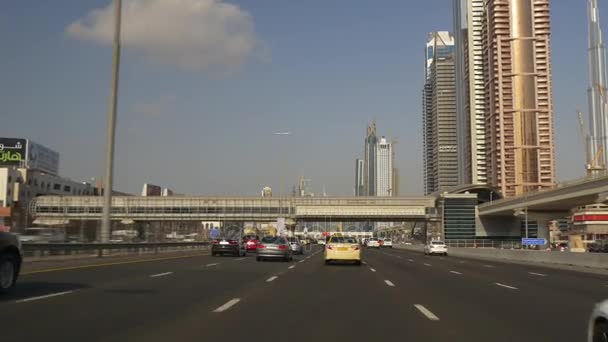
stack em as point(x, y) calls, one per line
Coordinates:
point(373, 243)
point(436, 247)
point(387, 243)
point(598, 323)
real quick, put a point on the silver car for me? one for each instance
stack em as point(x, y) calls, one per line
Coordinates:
point(598, 323)
point(296, 246)
point(273, 247)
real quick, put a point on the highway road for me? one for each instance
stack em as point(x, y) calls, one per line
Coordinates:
point(395, 295)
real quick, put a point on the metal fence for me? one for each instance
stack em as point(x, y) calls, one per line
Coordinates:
point(106, 249)
point(473, 243)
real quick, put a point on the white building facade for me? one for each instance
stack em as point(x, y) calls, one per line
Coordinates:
point(384, 168)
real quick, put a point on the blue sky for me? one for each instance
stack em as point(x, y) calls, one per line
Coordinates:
point(203, 124)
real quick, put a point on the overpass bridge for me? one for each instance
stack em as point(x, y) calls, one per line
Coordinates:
point(258, 209)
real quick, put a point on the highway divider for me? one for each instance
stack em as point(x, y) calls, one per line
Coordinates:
point(45, 250)
point(589, 260)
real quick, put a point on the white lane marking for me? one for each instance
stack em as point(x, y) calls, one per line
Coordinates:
point(410, 260)
point(426, 312)
point(209, 265)
point(228, 305)
point(400, 257)
point(507, 286)
point(161, 274)
point(427, 265)
point(389, 283)
point(239, 259)
point(489, 266)
point(292, 266)
point(271, 279)
point(372, 269)
point(301, 261)
point(43, 297)
point(537, 274)
point(455, 272)
point(364, 263)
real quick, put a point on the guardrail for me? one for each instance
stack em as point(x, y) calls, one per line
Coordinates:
point(104, 249)
point(473, 243)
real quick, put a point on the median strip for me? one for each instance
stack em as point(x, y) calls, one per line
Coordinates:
point(161, 274)
point(426, 312)
point(228, 305)
point(43, 297)
point(507, 286)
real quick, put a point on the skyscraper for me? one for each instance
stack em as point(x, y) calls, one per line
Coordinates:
point(470, 90)
point(369, 174)
point(359, 171)
point(597, 156)
point(518, 100)
point(439, 114)
point(384, 168)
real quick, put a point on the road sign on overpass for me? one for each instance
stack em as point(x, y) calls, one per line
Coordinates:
point(533, 242)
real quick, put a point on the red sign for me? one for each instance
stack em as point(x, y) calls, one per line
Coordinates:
point(4, 228)
point(579, 218)
point(325, 233)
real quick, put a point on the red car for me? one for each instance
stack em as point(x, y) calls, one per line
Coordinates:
point(251, 242)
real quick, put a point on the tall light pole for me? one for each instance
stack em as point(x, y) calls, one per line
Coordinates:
point(106, 220)
point(285, 133)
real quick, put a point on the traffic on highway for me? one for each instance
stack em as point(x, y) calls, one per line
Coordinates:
point(188, 297)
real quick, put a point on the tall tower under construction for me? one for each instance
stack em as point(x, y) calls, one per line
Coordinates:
point(597, 153)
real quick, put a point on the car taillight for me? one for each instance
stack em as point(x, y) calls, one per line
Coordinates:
point(232, 242)
point(261, 246)
point(282, 247)
point(329, 247)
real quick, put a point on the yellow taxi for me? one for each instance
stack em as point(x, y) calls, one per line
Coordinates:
point(340, 248)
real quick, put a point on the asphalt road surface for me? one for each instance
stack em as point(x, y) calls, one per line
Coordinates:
point(395, 295)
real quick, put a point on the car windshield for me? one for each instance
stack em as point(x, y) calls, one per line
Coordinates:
point(247, 152)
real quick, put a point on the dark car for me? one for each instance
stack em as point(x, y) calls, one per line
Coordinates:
point(274, 247)
point(224, 246)
point(600, 246)
point(10, 261)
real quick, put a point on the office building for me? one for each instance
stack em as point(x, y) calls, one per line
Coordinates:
point(359, 171)
point(439, 114)
point(470, 90)
point(384, 168)
point(369, 164)
point(518, 100)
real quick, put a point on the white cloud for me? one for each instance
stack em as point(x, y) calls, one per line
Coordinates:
point(192, 34)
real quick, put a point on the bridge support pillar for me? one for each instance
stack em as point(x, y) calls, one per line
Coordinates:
point(543, 220)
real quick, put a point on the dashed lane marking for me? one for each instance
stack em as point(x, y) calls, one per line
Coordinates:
point(426, 312)
point(228, 305)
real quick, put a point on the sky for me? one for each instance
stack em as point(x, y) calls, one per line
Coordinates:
point(205, 83)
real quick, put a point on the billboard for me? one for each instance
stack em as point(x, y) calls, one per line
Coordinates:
point(151, 190)
point(42, 158)
point(13, 152)
point(26, 153)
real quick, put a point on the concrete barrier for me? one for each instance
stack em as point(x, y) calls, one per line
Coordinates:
point(591, 260)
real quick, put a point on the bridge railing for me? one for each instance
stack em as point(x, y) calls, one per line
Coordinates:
point(106, 249)
point(474, 243)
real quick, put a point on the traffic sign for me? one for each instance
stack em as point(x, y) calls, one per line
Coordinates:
point(214, 233)
point(533, 242)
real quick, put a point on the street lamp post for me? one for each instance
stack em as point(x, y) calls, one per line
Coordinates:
point(286, 133)
point(111, 133)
